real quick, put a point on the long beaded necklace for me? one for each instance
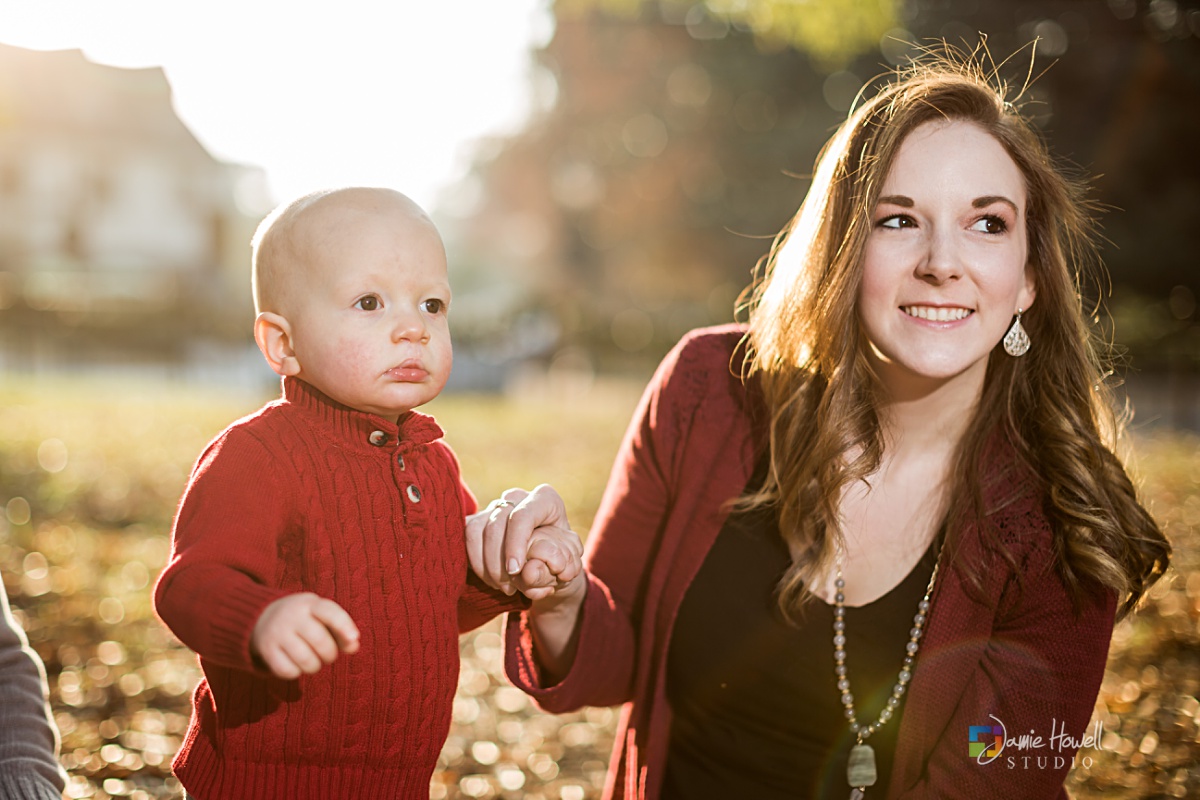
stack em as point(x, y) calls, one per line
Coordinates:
point(860, 771)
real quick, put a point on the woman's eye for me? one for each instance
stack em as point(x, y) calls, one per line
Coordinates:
point(434, 306)
point(898, 221)
point(990, 224)
point(368, 303)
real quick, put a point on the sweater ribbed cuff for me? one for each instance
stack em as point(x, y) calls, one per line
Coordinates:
point(234, 617)
point(21, 779)
point(480, 603)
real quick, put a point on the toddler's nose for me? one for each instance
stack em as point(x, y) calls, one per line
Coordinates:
point(409, 326)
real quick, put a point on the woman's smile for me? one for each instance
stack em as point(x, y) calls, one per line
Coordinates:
point(938, 313)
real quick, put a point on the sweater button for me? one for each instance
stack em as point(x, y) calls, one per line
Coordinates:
point(378, 438)
point(414, 493)
point(400, 461)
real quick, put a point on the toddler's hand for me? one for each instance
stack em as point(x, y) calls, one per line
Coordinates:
point(553, 565)
point(300, 633)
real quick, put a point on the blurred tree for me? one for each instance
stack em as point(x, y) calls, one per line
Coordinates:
point(677, 134)
point(831, 31)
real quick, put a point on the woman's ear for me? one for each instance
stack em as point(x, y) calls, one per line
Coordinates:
point(273, 334)
point(1028, 292)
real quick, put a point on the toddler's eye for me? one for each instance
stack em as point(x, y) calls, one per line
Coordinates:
point(368, 303)
point(434, 306)
point(990, 224)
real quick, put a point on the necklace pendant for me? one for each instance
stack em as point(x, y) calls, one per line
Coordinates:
point(860, 771)
point(857, 793)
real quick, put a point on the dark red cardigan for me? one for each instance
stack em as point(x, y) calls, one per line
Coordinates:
point(1022, 657)
point(308, 495)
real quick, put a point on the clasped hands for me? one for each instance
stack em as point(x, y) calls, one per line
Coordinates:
point(523, 542)
point(519, 542)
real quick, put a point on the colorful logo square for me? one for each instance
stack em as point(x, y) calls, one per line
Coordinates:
point(985, 741)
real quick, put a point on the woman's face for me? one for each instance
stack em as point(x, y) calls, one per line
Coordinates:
point(944, 269)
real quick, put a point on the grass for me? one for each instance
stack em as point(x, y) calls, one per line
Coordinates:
point(90, 474)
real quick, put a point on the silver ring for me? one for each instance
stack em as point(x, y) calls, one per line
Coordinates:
point(503, 503)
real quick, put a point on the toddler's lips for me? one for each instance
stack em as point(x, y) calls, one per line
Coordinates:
point(408, 372)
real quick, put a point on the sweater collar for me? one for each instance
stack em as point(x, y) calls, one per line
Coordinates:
point(358, 429)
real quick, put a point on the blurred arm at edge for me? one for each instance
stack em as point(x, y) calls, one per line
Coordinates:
point(29, 768)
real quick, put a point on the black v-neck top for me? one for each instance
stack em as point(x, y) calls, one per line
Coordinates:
point(756, 709)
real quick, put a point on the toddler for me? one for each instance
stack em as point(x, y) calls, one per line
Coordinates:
point(318, 564)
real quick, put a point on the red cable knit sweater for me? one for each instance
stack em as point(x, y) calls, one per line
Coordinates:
point(308, 495)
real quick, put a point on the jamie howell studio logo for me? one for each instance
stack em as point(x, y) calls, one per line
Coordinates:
point(987, 743)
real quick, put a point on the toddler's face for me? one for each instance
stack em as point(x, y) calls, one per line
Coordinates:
point(368, 325)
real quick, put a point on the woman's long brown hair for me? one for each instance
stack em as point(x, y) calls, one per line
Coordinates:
point(807, 348)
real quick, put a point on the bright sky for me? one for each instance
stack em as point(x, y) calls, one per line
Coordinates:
point(380, 92)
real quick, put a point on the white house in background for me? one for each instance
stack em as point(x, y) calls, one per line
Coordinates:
point(108, 203)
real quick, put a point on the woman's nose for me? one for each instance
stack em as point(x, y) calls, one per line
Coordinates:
point(942, 261)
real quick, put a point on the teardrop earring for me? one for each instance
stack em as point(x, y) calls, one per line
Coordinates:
point(1016, 341)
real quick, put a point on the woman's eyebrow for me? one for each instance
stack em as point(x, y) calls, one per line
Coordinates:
point(987, 200)
point(979, 202)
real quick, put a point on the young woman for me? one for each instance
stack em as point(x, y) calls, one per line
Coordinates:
point(870, 541)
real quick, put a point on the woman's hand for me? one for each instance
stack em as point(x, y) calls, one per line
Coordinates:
point(499, 536)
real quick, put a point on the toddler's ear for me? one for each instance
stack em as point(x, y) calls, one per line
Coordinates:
point(273, 334)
